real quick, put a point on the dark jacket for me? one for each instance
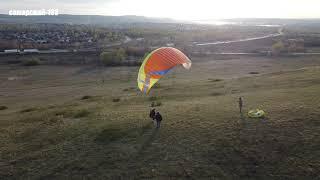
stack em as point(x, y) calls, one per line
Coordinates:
point(240, 102)
point(158, 117)
point(152, 114)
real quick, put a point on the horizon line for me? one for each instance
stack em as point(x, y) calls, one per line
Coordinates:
point(209, 19)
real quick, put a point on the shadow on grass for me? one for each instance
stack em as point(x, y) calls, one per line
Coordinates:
point(113, 134)
point(147, 142)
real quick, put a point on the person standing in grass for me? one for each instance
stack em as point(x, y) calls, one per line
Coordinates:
point(152, 114)
point(240, 104)
point(158, 118)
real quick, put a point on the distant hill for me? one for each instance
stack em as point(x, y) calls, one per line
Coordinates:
point(129, 20)
point(82, 19)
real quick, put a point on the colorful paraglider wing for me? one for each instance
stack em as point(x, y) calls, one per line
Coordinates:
point(158, 63)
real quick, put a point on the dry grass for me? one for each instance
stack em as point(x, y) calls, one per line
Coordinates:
point(202, 135)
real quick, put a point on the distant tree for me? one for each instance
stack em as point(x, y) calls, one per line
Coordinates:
point(32, 62)
point(136, 51)
point(113, 58)
point(121, 54)
point(107, 58)
point(296, 45)
point(278, 48)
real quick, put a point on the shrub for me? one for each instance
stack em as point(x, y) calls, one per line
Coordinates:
point(277, 48)
point(137, 51)
point(116, 100)
point(28, 110)
point(64, 113)
point(3, 107)
point(132, 63)
point(254, 72)
point(214, 80)
point(158, 103)
point(107, 58)
point(113, 58)
point(86, 97)
point(155, 104)
point(121, 54)
point(32, 62)
point(60, 113)
point(216, 94)
point(81, 113)
point(152, 98)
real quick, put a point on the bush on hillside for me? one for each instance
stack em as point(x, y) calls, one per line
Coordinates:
point(278, 48)
point(113, 58)
point(81, 113)
point(32, 62)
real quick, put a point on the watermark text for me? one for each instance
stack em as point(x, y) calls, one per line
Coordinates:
point(34, 12)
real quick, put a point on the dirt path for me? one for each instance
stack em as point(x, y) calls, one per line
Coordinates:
point(280, 33)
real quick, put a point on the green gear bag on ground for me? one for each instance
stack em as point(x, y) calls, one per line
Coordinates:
point(256, 113)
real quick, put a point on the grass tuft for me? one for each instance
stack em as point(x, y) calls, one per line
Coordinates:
point(28, 110)
point(81, 113)
point(86, 97)
point(214, 80)
point(153, 98)
point(216, 94)
point(155, 104)
point(116, 100)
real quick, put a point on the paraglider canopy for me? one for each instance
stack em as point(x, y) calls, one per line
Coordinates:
point(158, 63)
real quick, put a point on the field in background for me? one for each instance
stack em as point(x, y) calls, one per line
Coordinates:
point(87, 121)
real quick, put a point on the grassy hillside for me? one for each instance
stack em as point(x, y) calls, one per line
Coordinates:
point(50, 130)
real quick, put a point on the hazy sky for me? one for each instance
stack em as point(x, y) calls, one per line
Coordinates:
point(177, 9)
